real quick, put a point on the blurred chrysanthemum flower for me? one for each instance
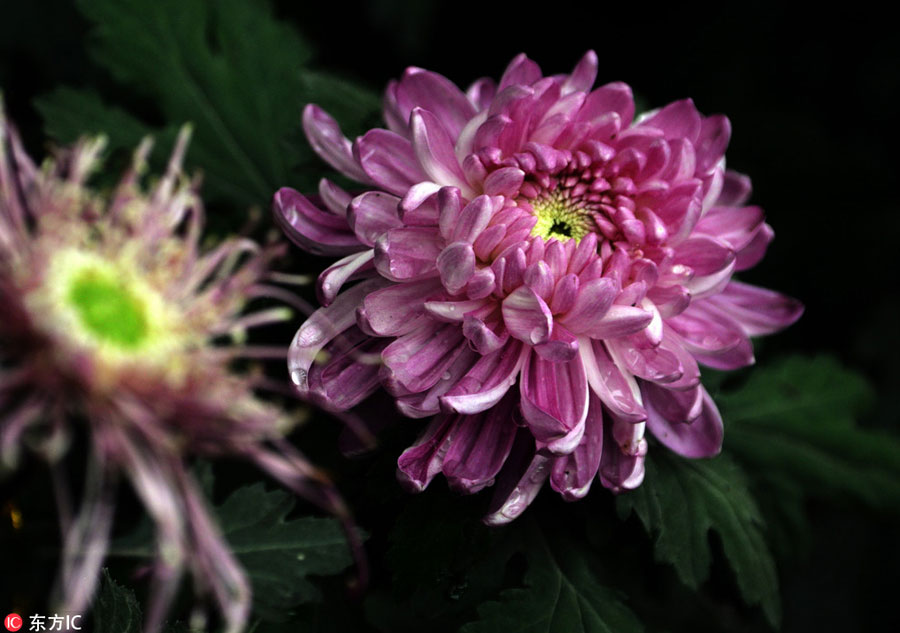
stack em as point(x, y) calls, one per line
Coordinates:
point(115, 319)
point(532, 231)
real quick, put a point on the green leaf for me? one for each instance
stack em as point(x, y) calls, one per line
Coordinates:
point(228, 67)
point(795, 420)
point(561, 595)
point(71, 113)
point(277, 553)
point(116, 610)
point(444, 562)
point(681, 500)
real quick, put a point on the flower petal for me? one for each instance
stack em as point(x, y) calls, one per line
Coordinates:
point(701, 437)
point(527, 317)
point(311, 228)
point(572, 474)
point(480, 447)
point(757, 310)
point(488, 380)
point(388, 160)
point(554, 401)
point(330, 144)
point(434, 150)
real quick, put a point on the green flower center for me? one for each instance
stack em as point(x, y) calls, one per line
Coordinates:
point(108, 309)
point(559, 219)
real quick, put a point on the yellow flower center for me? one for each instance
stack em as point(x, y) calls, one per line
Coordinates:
point(558, 219)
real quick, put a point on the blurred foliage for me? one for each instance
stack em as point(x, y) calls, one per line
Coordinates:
point(229, 68)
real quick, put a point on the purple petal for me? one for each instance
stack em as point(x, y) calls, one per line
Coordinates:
point(334, 198)
point(614, 98)
point(472, 220)
point(750, 255)
point(699, 438)
point(521, 71)
point(736, 189)
point(480, 447)
point(488, 380)
point(419, 463)
point(617, 389)
point(334, 277)
point(456, 265)
point(323, 326)
point(311, 228)
point(349, 372)
point(677, 120)
point(504, 182)
point(562, 346)
point(519, 482)
point(418, 359)
point(434, 150)
point(397, 309)
point(438, 95)
point(735, 225)
point(583, 75)
point(572, 474)
point(619, 469)
point(758, 310)
point(373, 214)
point(407, 253)
point(715, 132)
point(591, 304)
point(482, 338)
point(527, 317)
point(481, 92)
point(330, 144)
point(554, 401)
point(714, 339)
point(388, 160)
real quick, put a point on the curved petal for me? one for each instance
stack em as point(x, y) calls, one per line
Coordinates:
point(417, 360)
point(527, 317)
point(373, 214)
point(335, 276)
point(434, 151)
point(554, 401)
point(757, 310)
point(311, 228)
point(489, 379)
point(572, 474)
point(322, 327)
point(327, 140)
point(388, 160)
point(397, 309)
point(700, 438)
point(419, 463)
point(438, 95)
point(480, 447)
point(615, 388)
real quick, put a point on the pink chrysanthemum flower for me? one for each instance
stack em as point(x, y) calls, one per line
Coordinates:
point(115, 320)
point(532, 232)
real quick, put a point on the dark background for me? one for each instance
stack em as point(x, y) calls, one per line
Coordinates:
point(812, 97)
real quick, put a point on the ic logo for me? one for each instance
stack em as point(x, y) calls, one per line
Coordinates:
point(13, 622)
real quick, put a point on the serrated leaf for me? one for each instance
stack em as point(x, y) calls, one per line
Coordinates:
point(277, 553)
point(561, 595)
point(70, 114)
point(116, 610)
point(795, 419)
point(228, 67)
point(679, 503)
